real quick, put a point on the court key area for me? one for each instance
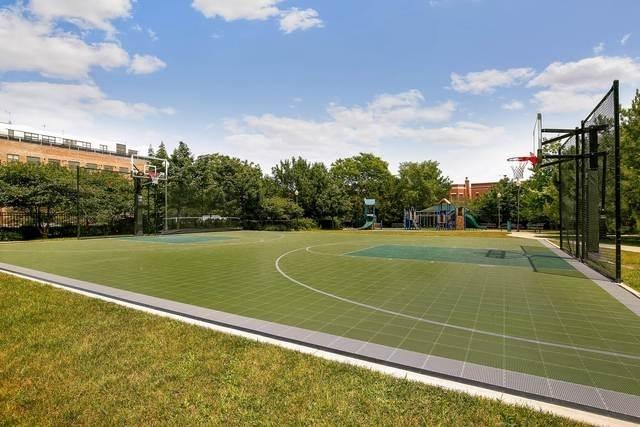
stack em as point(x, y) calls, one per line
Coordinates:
point(506, 312)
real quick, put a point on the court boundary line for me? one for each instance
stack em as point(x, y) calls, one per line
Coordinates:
point(442, 324)
point(312, 343)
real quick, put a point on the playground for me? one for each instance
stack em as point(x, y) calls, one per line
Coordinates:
point(442, 216)
point(484, 307)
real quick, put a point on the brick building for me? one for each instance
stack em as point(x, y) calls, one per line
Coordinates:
point(469, 191)
point(17, 144)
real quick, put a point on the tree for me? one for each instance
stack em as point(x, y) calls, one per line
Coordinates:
point(363, 176)
point(317, 192)
point(630, 162)
point(539, 197)
point(280, 208)
point(181, 180)
point(39, 190)
point(421, 184)
point(230, 186)
point(486, 206)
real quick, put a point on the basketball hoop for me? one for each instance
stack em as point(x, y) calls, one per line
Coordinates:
point(155, 177)
point(520, 164)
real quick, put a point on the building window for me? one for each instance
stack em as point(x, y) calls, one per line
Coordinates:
point(28, 136)
point(91, 166)
point(34, 160)
point(73, 164)
point(54, 162)
point(107, 168)
point(13, 158)
point(124, 170)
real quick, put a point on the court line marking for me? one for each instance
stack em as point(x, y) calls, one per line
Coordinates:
point(443, 324)
point(136, 245)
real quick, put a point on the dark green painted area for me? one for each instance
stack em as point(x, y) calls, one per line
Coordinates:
point(538, 259)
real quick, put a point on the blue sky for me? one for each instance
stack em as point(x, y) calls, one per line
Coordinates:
point(458, 81)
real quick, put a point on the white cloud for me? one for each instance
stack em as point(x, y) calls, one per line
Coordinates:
point(487, 81)
point(625, 39)
point(93, 14)
point(513, 105)
point(291, 20)
point(231, 10)
point(391, 123)
point(599, 48)
point(27, 45)
point(152, 34)
point(295, 19)
point(146, 64)
point(574, 86)
point(80, 109)
point(70, 100)
point(593, 73)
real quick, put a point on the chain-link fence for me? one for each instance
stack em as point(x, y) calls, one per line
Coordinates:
point(589, 175)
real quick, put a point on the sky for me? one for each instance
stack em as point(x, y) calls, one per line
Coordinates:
point(456, 81)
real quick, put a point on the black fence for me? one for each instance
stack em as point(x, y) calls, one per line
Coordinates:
point(589, 189)
point(26, 226)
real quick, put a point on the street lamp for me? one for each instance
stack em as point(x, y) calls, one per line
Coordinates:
point(295, 193)
point(499, 219)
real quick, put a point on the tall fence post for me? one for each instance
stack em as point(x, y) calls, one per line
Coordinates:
point(78, 201)
point(618, 197)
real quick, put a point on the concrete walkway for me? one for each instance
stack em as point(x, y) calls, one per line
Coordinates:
point(531, 235)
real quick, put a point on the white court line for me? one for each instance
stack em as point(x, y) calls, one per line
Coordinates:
point(443, 324)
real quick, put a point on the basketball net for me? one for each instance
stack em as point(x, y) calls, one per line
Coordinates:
point(518, 170)
point(155, 177)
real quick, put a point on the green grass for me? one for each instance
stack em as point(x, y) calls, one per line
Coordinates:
point(386, 300)
point(631, 269)
point(70, 360)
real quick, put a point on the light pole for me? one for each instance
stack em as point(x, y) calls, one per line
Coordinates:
point(499, 219)
point(295, 193)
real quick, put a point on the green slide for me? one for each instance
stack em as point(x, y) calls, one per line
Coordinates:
point(470, 221)
point(367, 226)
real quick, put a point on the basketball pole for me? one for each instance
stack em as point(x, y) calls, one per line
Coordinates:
point(166, 195)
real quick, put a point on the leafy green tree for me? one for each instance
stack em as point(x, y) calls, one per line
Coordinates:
point(39, 190)
point(317, 191)
point(539, 197)
point(486, 206)
point(421, 184)
point(181, 181)
point(363, 176)
point(630, 153)
point(281, 208)
point(230, 186)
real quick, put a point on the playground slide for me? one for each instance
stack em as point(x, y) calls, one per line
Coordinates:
point(367, 226)
point(470, 221)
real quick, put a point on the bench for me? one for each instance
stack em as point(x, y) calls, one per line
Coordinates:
point(537, 227)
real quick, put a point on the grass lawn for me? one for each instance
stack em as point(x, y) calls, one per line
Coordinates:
point(631, 269)
point(66, 359)
point(478, 297)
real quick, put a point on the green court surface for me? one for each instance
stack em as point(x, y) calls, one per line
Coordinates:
point(495, 301)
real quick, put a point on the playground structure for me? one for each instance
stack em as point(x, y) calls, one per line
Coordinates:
point(369, 208)
point(442, 216)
